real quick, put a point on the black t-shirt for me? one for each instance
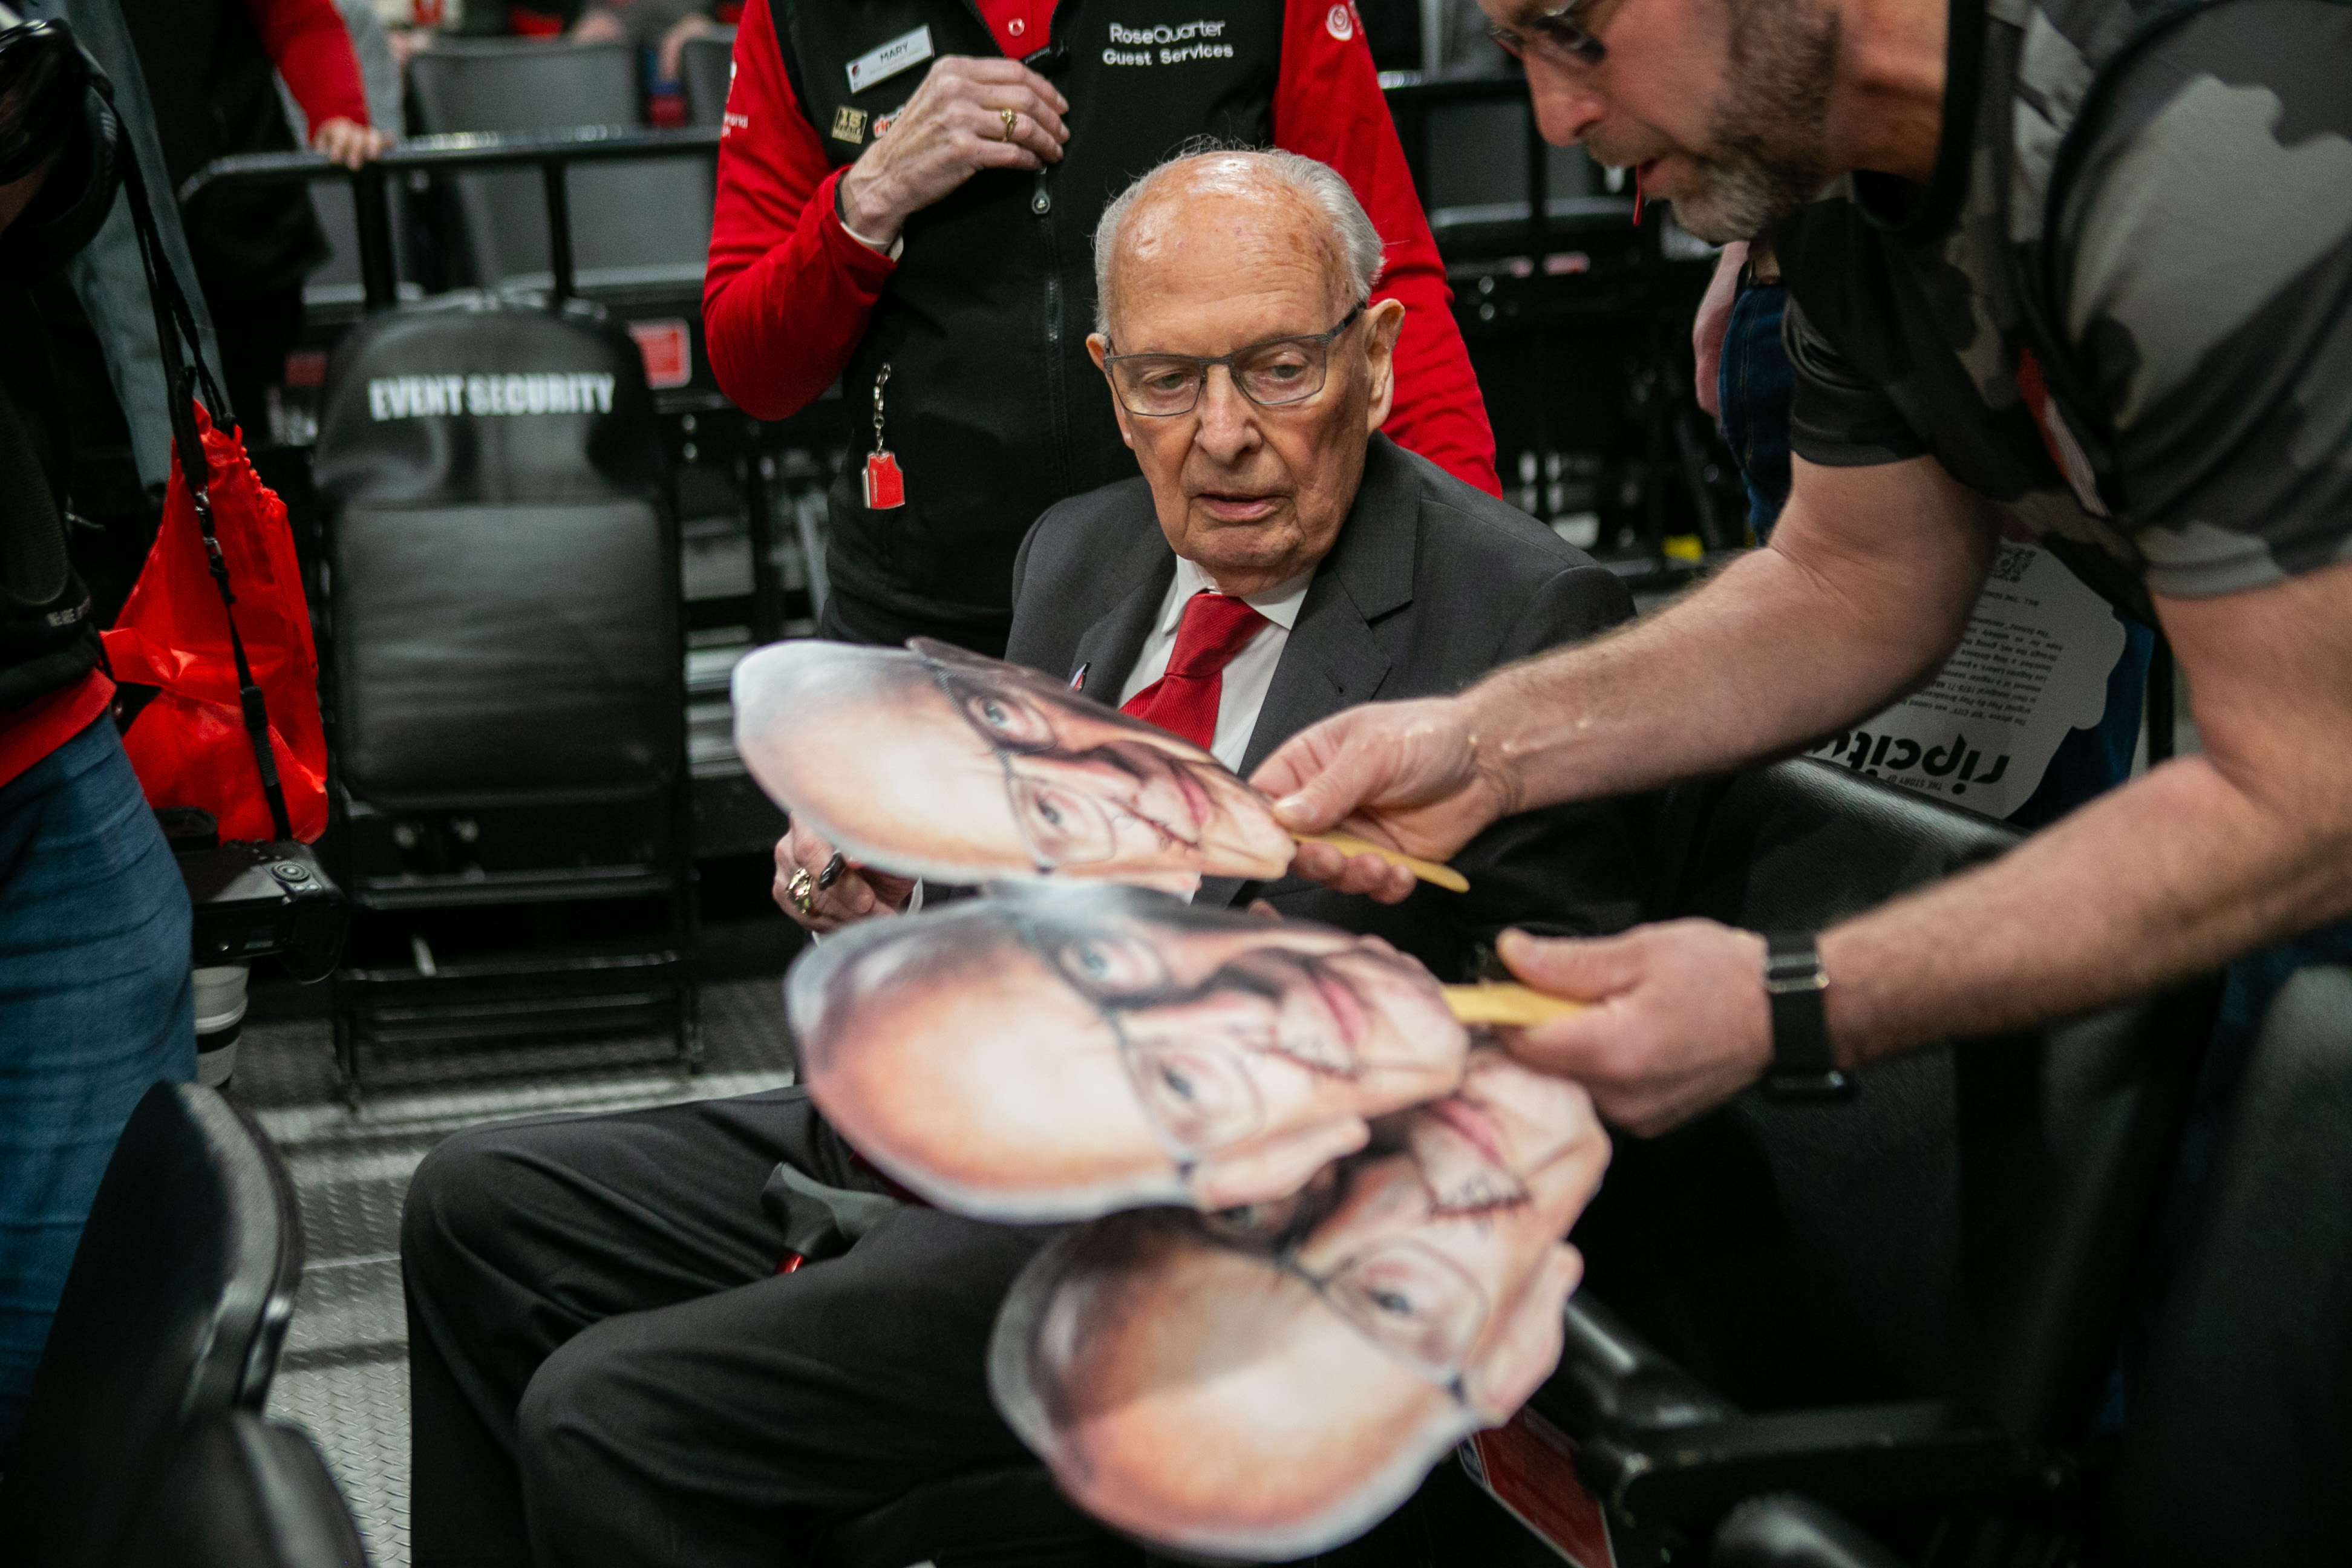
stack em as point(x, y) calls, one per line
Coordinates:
point(2201, 274)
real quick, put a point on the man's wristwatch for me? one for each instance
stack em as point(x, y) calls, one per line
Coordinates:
point(1802, 1068)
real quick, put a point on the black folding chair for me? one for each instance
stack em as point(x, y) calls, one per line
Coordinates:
point(173, 1312)
point(238, 1491)
point(1909, 1301)
point(707, 67)
point(506, 663)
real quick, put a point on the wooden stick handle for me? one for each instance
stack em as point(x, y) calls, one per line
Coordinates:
point(1429, 871)
point(1507, 1002)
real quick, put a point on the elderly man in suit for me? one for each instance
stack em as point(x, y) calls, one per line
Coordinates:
point(605, 1363)
point(1280, 559)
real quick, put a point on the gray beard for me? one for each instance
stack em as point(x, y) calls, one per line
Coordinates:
point(1769, 152)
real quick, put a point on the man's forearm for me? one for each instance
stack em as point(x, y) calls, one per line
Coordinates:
point(2174, 873)
point(1785, 644)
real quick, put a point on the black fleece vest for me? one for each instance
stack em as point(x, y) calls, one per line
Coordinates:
point(993, 408)
point(215, 92)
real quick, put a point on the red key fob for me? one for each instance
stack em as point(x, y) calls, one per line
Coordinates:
point(885, 487)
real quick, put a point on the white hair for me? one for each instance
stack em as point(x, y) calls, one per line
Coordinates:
point(1353, 238)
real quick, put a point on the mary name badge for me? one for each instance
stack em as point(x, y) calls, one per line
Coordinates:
point(901, 53)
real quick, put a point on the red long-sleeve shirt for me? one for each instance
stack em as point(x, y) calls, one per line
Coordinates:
point(788, 292)
point(307, 41)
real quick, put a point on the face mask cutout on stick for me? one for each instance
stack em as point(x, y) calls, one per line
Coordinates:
point(1268, 1383)
point(1056, 1052)
point(931, 761)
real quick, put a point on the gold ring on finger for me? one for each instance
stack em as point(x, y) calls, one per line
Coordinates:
point(802, 888)
point(1012, 118)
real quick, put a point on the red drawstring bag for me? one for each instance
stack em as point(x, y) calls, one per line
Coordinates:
point(189, 741)
point(219, 703)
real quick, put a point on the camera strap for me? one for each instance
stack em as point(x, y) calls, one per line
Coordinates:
point(185, 375)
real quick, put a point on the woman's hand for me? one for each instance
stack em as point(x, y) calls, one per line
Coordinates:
point(348, 142)
point(857, 893)
point(954, 126)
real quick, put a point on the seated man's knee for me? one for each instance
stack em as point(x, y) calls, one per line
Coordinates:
point(575, 1418)
point(460, 1202)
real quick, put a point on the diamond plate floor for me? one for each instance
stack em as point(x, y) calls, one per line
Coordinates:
point(344, 1375)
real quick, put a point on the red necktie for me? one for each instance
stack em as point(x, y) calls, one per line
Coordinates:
point(1184, 701)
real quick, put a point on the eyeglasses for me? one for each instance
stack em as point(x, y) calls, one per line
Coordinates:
point(1276, 372)
point(1561, 31)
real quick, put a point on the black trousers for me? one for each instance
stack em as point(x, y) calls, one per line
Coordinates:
point(605, 1368)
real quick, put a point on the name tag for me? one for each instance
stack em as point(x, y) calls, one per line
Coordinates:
point(908, 49)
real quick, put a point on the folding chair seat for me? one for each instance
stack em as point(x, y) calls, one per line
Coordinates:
point(173, 1312)
point(238, 1491)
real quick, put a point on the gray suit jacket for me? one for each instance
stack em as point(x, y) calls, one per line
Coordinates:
point(1432, 585)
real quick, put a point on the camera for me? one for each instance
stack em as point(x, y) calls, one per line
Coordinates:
point(250, 899)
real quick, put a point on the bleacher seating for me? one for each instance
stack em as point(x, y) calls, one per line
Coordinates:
point(634, 225)
point(173, 1312)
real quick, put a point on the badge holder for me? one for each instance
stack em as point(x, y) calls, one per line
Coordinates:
point(885, 487)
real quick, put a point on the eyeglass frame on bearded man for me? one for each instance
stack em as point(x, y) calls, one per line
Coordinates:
point(1561, 28)
point(1317, 346)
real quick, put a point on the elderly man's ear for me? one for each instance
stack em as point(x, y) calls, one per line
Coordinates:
point(1382, 322)
point(1099, 346)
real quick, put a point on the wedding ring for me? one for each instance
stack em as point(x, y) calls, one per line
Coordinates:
point(1011, 118)
point(801, 890)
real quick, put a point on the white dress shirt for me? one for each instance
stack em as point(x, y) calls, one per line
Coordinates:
point(1250, 672)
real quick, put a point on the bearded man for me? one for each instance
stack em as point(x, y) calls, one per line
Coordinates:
point(2053, 268)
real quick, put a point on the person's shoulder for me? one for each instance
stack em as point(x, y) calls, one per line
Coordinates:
point(1078, 524)
point(2214, 173)
point(1467, 531)
point(1086, 551)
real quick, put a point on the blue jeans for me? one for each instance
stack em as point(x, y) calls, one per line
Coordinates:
point(96, 1005)
point(1752, 388)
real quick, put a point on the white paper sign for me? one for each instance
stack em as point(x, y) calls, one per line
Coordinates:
point(906, 50)
point(2033, 665)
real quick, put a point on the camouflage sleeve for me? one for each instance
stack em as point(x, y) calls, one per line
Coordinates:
point(1836, 417)
point(2210, 294)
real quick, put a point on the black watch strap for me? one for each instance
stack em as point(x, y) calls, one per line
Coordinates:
point(1803, 1068)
